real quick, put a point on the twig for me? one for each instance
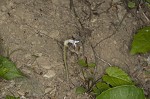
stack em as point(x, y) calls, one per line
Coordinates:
point(105, 39)
point(96, 61)
point(104, 61)
point(9, 54)
point(75, 13)
point(144, 14)
point(113, 32)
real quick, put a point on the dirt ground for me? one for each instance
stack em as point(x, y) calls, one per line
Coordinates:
point(36, 29)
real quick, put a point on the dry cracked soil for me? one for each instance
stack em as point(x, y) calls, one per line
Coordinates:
point(34, 30)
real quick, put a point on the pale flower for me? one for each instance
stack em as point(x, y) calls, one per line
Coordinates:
point(73, 42)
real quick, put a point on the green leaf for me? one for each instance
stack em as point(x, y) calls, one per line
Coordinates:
point(116, 77)
point(100, 87)
point(148, 1)
point(91, 65)
point(114, 81)
point(141, 41)
point(8, 69)
point(82, 63)
point(11, 97)
point(96, 91)
point(131, 4)
point(122, 92)
point(80, 90)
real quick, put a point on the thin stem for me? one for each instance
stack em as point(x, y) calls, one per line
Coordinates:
point(65, 62)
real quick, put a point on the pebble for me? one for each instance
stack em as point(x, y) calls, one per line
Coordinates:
point(148, 60)
point(54, 34)
point(115, 42)
point(93, 20)
point(38, 54)
point(49, 74)
point(27, 56)
point(115, 1)
point(44, 62)
point(121, 12)
point(3, 8)
point(21, 93)
point(55, 2)
point(47, 90)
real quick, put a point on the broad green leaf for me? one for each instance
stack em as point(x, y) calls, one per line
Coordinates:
point(122, 92)
point(91, 64)
point(80, 90)
point(141, 41)
point(116, 77)
point(100, 87)
point(114, 81)
point(131, 4)
point(82, 63)
point(8, 69)
point(11, 97)
point(114, 71)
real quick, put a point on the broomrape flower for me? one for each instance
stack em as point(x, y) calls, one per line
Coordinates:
point(73, 42)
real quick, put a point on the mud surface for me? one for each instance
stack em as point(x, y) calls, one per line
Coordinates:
point(36, 30)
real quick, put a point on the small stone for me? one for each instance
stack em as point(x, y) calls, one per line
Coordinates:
point(47, 90)
point(44, 62)
point(49, 74)
point(12, 84)
point(121, 12)
point(21, 93)
point(38, 54)
point(93, 20)
point(148, 60)
point(55, 2)
point(3, 8)
point(23, 97)
point(115, 1)
point(115, 42)
point(115, 60)
point(43, 32)
point(27, 56)
point(54, 34)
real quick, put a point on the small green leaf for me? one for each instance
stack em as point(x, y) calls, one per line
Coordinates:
point(91, 65)
point(141, 41)
point(82, 63)
point(80, 90)
point(11, 97)
point(131, 4)
point(122, 92)
point(8, 69)
point(96, 91)
point(102, 86)
point(116, 77)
